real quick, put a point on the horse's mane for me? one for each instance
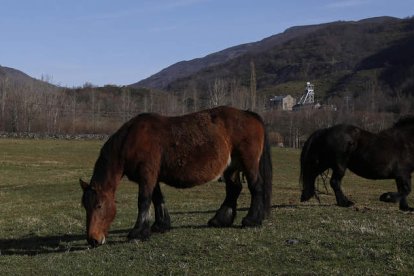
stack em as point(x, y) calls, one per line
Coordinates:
point(114, 144)
point(404, 122)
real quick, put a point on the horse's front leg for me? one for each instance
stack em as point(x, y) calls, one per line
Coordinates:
point(141, 228)
point(335, 182)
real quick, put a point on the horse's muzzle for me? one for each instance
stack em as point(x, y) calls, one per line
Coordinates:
point(95, 243)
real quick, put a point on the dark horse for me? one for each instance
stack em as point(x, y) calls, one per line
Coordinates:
point(388, 154)
point(182, 152)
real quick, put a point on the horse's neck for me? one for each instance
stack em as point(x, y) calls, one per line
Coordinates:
point(107, 174)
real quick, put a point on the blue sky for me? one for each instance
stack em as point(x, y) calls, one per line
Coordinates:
point(121, 42)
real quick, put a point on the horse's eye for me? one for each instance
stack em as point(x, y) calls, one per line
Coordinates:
point(99, 206)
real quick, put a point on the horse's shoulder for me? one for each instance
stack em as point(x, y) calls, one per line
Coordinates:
point(345, 126)
point(146, 121)
point(149, 117)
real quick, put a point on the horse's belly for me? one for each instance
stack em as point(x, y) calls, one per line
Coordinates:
point(372, 170)
point(195, 173)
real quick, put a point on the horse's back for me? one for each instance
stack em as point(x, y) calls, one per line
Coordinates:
point(234, 125)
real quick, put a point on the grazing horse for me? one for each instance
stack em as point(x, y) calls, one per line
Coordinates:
point(388, 154)
point(182, 152)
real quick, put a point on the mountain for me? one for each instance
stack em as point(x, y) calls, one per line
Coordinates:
point(16, 77)
point(339, 57)
point(182, 69)
point(10, 73)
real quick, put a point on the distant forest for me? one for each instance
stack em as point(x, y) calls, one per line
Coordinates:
point(101, 110)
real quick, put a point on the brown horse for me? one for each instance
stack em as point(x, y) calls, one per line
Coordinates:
point(182, 152)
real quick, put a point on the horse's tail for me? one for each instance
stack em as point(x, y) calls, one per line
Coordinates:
point(266, 174)
point(309, 163)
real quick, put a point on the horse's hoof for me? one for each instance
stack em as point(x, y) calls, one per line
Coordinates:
point(214, 222)
point(407, 209)
point(389, 197)
point(346, 203)
point(386, 197)
point(249, 222)
point(139, 234)
point(306, 196)
point(223, 218)
point(160, 227)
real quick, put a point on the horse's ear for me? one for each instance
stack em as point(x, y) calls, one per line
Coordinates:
point(83, 184)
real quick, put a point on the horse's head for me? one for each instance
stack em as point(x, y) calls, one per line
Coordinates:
point(100, 212)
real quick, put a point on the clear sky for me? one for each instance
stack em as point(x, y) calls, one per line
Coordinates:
point(123, 41)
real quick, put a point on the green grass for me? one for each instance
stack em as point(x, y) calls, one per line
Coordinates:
point(42, 224)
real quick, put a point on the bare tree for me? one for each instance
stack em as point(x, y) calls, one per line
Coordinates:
point(30, 106)
point(239, 95)
point(73, 106)
point(253, 85)
point(14, 111)
point(126, 104)
point(217, 93)
point(148, 102)
point(195, 96)
point(3, 89)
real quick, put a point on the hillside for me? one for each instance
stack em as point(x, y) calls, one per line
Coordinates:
point(339, 57)
point(18, 78)
point(182, 69)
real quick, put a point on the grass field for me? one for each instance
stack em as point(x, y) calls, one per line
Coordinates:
point(42, 224)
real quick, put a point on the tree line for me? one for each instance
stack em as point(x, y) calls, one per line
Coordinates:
point(27, 108)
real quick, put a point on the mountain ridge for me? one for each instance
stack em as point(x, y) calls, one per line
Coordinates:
point(179, 71)
point(183, 69)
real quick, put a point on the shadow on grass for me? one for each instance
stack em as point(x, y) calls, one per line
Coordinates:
point(35, 245)
point(281, 206)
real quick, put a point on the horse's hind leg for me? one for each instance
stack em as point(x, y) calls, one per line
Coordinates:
point(162, 218)
point(308, 190)
point(255, 214)
point(224, 216)
point(335, 182)
point(404, 188)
